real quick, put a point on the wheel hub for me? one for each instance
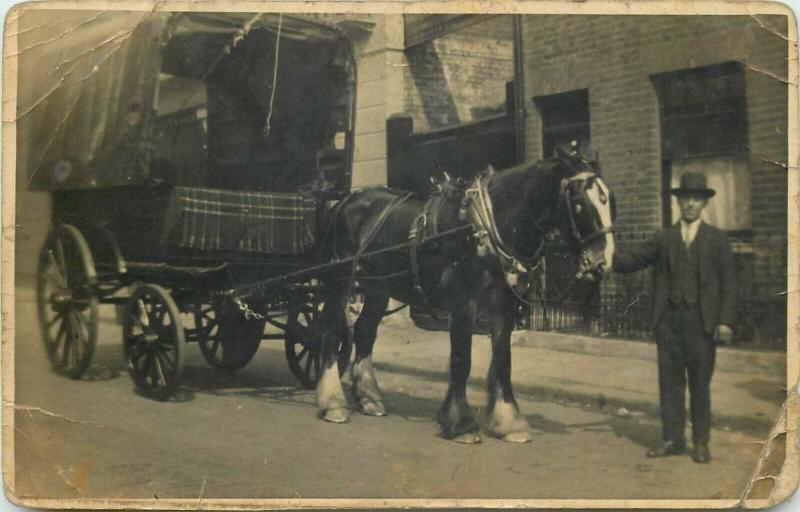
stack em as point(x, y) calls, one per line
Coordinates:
point(60, 298)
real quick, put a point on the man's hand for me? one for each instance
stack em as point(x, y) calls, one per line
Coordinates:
point(723, 334)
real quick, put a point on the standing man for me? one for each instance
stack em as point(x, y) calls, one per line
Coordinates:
point(694, 299)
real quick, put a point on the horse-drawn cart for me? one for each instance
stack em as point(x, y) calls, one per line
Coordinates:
point(188, 160)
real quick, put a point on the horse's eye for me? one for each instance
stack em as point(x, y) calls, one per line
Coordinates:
point(603, 198)
point(578, 209)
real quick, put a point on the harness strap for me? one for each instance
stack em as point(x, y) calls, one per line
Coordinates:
point(371, 236)
point(478, 201)
point(414, 239)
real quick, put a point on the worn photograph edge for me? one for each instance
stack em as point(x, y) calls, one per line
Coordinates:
point(787, 482)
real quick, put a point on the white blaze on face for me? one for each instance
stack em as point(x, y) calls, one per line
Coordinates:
point(595, 194)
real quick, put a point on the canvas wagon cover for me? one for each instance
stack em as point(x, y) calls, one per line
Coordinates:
point(86, 107)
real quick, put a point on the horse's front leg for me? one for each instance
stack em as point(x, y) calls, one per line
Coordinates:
point(456, 419)
point(504, 419)
point(331, 400)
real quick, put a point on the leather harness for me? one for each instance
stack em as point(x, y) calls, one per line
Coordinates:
point(476, 207)
point(414, 239)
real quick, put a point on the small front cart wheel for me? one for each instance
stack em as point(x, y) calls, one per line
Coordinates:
point(67, 306)
point(227, 341)
point(303, 344)
point(154, 341)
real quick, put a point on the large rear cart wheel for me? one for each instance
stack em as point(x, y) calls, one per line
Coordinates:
point(227, 341)
point(67, 306)
point(154, 341)
point(303, 344)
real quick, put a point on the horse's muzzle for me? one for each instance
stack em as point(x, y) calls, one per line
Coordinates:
point(589, 270)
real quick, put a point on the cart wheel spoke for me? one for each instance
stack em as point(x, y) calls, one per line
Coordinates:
point(52, 321)
point(61, 334)
point(164, 354)
point(80, 335)
point(161, 315)
point(61, 261)
point(162, 376)
point(58, 279)
point(147, 368)
point(84, 322)
point(67, 347)
point(307, 367)
point(317, 359)
point(305, 336)
point(215, 345)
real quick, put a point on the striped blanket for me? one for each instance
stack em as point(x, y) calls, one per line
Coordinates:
point(237, 221)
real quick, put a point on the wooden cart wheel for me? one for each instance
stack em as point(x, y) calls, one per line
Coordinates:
point(227, 342)
point(303, 344)
point(67, 306)
point(154, 341)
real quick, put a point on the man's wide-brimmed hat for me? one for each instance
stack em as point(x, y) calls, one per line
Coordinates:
point(693, 182)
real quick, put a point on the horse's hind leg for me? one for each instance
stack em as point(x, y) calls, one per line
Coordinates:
point(331, 400)
point(365, 385)
point(505, 420)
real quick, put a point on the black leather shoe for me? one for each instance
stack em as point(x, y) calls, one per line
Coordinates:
point(700, 454)
point(669, 448)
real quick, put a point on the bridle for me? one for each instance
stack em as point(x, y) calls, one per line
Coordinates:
point(477, 203)
point(583, 179)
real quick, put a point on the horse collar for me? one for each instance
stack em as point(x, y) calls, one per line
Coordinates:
point(479, 203)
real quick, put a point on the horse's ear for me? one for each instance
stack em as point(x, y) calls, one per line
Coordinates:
point(563, 155)
point(490, 171)
point(592, 157)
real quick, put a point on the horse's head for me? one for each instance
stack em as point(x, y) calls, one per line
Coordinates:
point(588, 210)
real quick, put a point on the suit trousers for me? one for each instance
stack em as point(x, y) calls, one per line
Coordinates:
point(684, 349)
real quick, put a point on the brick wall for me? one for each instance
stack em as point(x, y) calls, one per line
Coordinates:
point(614, 57)
point(460, 76)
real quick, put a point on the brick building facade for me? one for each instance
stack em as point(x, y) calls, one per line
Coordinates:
point(656, 95)
point(461, 76)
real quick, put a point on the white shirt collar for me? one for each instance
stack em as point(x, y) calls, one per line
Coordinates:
point(689, 231)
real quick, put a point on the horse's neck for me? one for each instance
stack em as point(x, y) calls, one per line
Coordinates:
point(522, 199)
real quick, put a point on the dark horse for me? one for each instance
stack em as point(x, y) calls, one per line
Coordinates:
point(473, 243)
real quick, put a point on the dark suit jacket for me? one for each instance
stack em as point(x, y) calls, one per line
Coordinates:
point(717, 273)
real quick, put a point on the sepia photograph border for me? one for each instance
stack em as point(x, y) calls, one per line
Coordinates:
point(786, 481)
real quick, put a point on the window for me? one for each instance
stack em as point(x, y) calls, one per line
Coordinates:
point(704, 129)
point(565, 118)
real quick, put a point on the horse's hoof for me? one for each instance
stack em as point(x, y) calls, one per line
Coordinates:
point(469, 438)
point(338, 415)
point(371, 408)
point(517, 437)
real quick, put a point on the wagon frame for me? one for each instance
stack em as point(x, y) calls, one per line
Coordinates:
point(169, 293)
